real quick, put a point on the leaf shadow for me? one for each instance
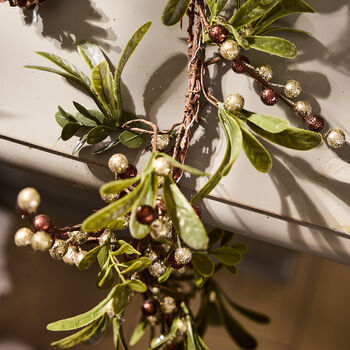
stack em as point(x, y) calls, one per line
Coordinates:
point(67, 22)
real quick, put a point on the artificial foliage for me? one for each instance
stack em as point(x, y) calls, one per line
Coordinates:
point(167, 255)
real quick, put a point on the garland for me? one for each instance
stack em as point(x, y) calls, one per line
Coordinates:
point(169, 257)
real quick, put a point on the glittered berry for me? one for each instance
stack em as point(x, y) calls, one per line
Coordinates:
point(42, 222)
point(42, 241)
point(217, 33)
point(269, 97)
point(303, 108)
point(168, 305)
point(149, 307)
point(28, 200)
point(23, 237)
point(336, 138)
point(146, 214)
point(314, 122)
point(238, 65)
point(229, 49)
point(130, 171)
point(118, 163)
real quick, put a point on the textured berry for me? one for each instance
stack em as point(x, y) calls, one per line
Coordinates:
point(314, 122)
point(238, 65)
point(42, 222)
point(130, 171)
point(217, 33)
point(269, 97)
point(146, 214)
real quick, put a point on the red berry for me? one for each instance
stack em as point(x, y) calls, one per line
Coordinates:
point(146, 214)
point(130, 171)
point(238, 65)
point(42, 222)
point(149, 307)
point(314, 122)
point(269, 97)
point(217, 33)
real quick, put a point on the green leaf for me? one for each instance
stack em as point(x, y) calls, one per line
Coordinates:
point(125, 248)
point(83, 319)
point(102, 81)
point(120, 299)
point(238, 334)
point(62, 117)
point(69, 130)
point(227, 255)
point(232, 269)
point(137, 285)
point(257, 154)
point(240, 247)
point(91, 53)
point(111, 212)
point(203, 264)
point(251, 11)
point(167, 337)
point(166, 275)
point(184, 167)
point(240, 40)
point(199, 279)
point(89, 114)
point(89, 258)
point(184, 218)
point(118, 336)
point(105, 278)
point(139, 331)
point(118, 186)
point(89, 334)
point(98, 134)
point(215, 236)
point(298, 139)
point(130, 139)
point(66, 66)
point(147, 197)
point(129, 49)
point(273, 45)
point(103, 254)
point(284, 29)
point(136, 265)
point(173, 11)
point(234, 139)
point(80, 144)
point(283, 8)
point(266, 122)
point(85, 121)
point(251, 314)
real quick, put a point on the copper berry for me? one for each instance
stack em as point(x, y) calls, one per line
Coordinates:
point(130, 171)
point(146, 214)
point(314, 122)
point(149, 307)
point(269, 97)
point(238, 64)
point(217, 33)
point(42, 222)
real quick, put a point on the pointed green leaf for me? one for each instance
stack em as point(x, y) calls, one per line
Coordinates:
point(136, 265)
point(120, 299)
point(257, 154)
point(66, 66)
point(102, 81)
point(166, 275)
point(234, 139)
point(227, 255)
point(147, 197)
point(184, 218)
point(266, 122)
point(118, 186)
point(273, 45)
point(89, 258)
point(103, 254)
point(130, 139)
point(125, 248)
point(139, 331)
point(105, 278)
point(283, 8)
point(89, 334)
point(111, 212)
point(85, 121)
point(298, 139)
point(203, 264)
point(83, 319)
point(98, 134)
point(251, 11)
point(137, 285)
point(91, 53)
point(118, 336)
point(129, 49)
point(173, 11)
point(69, 130)
point(62, 117)
point(89, 114)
